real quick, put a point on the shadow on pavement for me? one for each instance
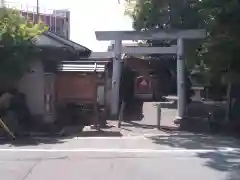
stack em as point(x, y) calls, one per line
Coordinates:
point(168, 129)
point(99, 134)
point(138, 125)
point(196, 141)
point(32, 141)
point(220, 161)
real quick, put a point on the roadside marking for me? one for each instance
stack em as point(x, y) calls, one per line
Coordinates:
point(122, 150)
point(127, 137)
point(130, 136)
point(109, 138)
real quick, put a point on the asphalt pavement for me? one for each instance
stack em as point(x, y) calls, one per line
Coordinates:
point(137, 151)
point(178, 156)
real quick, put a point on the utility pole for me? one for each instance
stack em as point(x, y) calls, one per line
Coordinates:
point(37, 20)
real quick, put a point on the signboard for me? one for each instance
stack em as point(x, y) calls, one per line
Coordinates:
point(142, 85)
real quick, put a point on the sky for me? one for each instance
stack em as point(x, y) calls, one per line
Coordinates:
point(88, 16)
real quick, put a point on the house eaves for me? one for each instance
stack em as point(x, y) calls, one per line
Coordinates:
point(50, 39)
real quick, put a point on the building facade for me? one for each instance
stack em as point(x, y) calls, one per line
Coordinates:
point(58, 21)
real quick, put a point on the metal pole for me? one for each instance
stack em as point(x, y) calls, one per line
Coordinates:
point(117, 68)
point(159, 116)
point(180, 80)
point(54, 21)
point(37, 20)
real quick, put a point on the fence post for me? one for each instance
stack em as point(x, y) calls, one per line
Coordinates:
point(159, 114)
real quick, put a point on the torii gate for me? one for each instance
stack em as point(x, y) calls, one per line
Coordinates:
point(179, 35)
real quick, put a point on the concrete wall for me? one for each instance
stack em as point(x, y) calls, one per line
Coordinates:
point(32, 85)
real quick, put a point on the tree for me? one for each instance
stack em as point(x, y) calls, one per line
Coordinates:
point(16, 49)
point(166, 14)
point(220, 50)
point(219, 17)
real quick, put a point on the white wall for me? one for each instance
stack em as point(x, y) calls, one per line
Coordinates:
point(32, 85)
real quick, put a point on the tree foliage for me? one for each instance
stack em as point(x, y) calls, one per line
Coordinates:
point(166, 14)
point(219, 51)
point(16, 49)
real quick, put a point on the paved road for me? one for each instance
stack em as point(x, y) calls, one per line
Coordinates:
point(163, 156)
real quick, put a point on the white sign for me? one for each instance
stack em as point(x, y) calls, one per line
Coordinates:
point(144, 83)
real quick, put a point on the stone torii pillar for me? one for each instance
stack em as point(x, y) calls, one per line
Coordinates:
point(116, 76)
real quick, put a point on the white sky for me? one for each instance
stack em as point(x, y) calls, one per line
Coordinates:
point(87, 16)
